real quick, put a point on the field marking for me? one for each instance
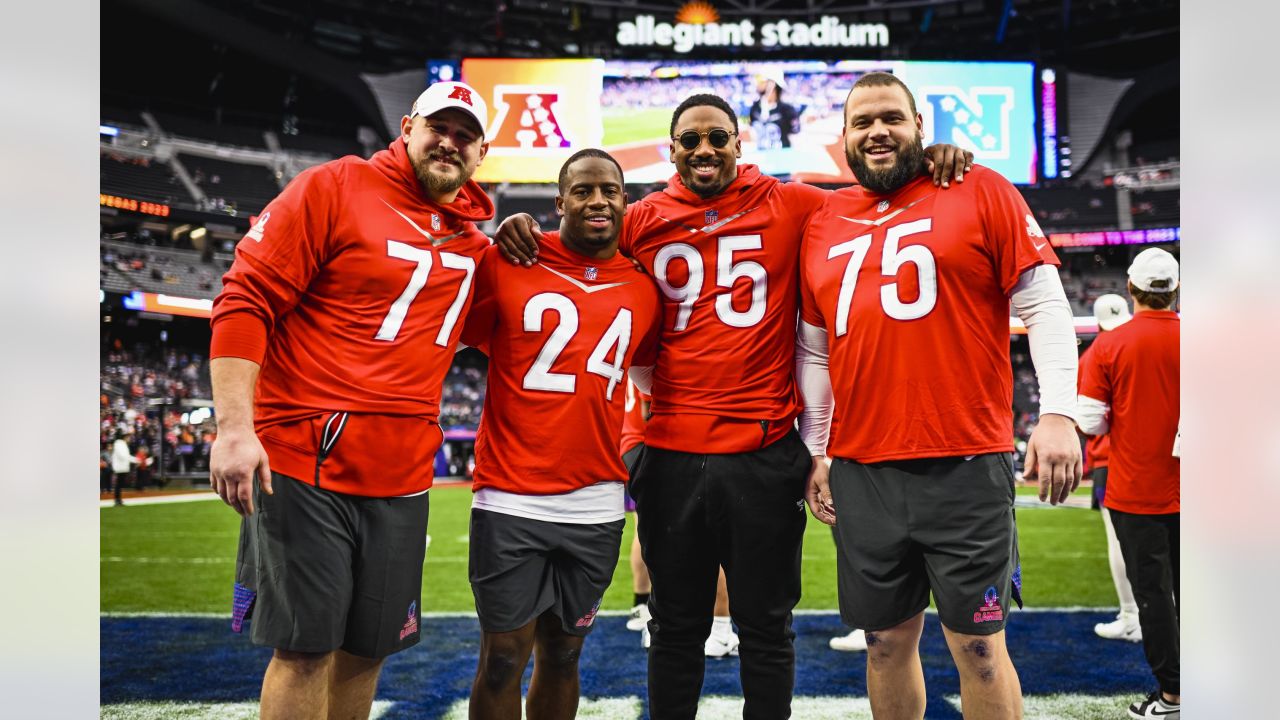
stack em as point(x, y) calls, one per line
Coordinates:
point(1068, 705)
point(603, 613)
point(168, 560)
point(588, 708)
point(165, 499)
point(202, 711)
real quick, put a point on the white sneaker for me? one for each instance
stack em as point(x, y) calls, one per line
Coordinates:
point(1124, 627)
point(645, 638)
point(1155, 707)
point(721, 644)
point(639, 618)
point(855, 641)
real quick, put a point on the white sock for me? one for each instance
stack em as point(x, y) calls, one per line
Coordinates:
point(1124, 592)
point(721, 625)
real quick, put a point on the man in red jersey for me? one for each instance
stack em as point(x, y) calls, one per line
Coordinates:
point(331, 338)
point(547, 516)
point(1133, 374)
point(721, 479)
point(904, 344)
point(1110, 311)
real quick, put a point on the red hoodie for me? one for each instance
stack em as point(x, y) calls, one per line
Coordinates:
point(350, 292)
point(728, 269)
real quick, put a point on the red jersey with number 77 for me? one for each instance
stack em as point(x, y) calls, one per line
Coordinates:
point(349, 292)
point(727, 266)
point(913, 290)
point(560, 337)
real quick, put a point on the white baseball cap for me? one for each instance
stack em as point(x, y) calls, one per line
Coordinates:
point(1111, 311)
point(458, 95)
point(1154, 270)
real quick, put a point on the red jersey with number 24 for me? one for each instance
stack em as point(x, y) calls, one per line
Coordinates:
point(913, 290)
point(560, 336)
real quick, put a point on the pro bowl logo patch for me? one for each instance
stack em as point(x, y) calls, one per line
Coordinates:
point(990, 610)
point(255, 232)
point(590, 273)
point(590, 617)
point(710, 217)
point(411, 623)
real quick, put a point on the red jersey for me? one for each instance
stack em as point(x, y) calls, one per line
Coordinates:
point(1135, 369)
point(632, 419)
point(350, 292)
point(913, 289)
point(1097, 448)
point(727, 267)
point(561, 335)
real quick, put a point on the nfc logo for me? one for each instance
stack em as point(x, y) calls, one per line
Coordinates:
point(976, 119)
point(526, 120)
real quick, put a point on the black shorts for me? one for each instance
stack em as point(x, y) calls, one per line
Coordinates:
point(521, 568)
point(1099, 478)
point(629, 459)
point(319, 570)
point(944, 525)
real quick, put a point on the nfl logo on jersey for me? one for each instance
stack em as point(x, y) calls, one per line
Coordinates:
point(435, 222)
point(710, 217)
point(590, 273)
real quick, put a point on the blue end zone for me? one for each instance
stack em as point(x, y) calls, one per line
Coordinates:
point(200, 659)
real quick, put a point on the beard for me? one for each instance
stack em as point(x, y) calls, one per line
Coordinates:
point(436, 183)
point(907, 166)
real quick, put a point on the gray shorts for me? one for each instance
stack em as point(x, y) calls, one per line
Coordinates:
point(319, 570)
point(906, 528)
point(521, 568)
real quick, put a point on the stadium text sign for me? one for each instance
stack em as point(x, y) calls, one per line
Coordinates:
point(683, 37)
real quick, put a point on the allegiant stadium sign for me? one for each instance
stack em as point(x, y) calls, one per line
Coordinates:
point(683, 37)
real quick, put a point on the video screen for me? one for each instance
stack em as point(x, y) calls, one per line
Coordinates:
point(790, 113)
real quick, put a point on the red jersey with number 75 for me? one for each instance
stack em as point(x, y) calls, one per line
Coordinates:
point(913, 290)
point(727, 266)
point(560, 337)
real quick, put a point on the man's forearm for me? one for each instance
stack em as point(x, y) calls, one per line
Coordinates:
point(234, 380)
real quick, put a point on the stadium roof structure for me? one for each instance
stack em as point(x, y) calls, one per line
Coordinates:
point(295, 61)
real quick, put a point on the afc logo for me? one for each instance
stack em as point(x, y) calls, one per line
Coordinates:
point(976, 119)
point(526, 119)
point(461, 93)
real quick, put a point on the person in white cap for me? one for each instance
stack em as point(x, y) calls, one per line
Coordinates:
point(1130, 389)
point(331, 338)
point(1110, 311)
point(772, 121)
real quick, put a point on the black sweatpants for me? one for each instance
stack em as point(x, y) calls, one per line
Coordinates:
point(744, 511)
point(1149, 544)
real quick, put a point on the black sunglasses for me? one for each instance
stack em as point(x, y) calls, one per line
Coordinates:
point(691, 139)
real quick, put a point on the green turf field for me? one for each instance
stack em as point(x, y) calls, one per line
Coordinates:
point(633, 126)
point(180, 558)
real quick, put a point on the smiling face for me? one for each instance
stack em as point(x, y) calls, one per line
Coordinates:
point(445, 148)
point(706, 169)
point(591, 207)
point(883, 138)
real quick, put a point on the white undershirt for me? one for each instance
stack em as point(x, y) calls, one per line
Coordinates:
point(599, 503)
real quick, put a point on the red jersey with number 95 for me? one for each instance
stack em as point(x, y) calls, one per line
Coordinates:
point(560, 337)
point(728, 268)
point(913, 289)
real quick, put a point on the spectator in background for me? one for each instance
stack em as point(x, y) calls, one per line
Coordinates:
point(772, 120)
point(1133, 375)
point(1111, 311)
point(122, 461)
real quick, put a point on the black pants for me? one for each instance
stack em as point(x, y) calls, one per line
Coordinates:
point(743, 511)
point(1149, 544)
